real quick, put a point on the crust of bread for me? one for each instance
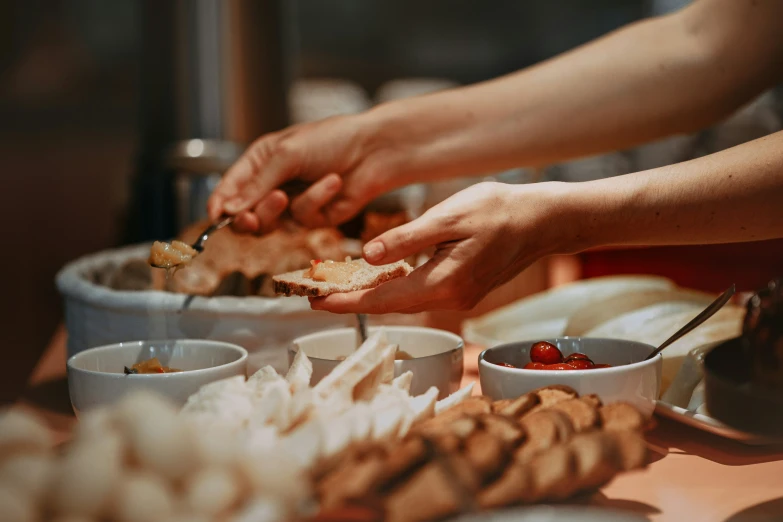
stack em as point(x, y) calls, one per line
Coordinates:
point(369, 276)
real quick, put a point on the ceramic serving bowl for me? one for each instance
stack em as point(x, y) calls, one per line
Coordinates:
point(437, 355)
point(96, 377)
point(630, 379)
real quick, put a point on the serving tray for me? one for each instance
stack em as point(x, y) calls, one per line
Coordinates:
point(708, 424)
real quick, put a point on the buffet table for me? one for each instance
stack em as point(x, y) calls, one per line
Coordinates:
point(695, 476)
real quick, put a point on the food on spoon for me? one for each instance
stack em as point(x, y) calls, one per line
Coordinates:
point(330, 277)
point(171, 255)
point(149, 366)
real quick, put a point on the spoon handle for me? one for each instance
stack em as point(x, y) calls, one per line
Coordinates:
point(198, 246)
point(696, 321)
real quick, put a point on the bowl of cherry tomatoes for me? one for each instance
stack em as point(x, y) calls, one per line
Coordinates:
point(613, 369)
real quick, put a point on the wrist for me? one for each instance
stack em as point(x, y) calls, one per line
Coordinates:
point(582, 214)
point(598, 213)
point(420, 137)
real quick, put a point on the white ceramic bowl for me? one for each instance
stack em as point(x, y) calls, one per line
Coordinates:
point(437, 355)
point(96, 377)
point(97, 315)
point(630, 379)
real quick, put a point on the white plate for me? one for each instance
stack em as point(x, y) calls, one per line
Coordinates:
point(708, 424)
point(552, 514)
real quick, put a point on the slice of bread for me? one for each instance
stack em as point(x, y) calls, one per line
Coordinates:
point(368, 276)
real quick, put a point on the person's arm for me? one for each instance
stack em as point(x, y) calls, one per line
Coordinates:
point(655, 78)
point(489, 233)
point(732, 196)
point(662, 76)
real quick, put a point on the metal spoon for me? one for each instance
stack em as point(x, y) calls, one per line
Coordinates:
point(198, 246)
point(696, 321)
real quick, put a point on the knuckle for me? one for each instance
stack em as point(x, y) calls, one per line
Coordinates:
point(287, 149)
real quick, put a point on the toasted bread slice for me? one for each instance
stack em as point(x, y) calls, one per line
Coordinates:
point(365, 277)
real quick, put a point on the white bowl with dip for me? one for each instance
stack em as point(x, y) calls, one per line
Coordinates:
point(630, 378)
point(436, 355)
point(96, 376)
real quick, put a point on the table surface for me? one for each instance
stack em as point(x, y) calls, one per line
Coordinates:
point(694, 477)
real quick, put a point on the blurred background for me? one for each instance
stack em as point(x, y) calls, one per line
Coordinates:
point(98, 100)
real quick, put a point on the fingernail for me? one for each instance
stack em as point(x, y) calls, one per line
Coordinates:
point(374, 251)
point(235, 205)
point(333, 182)
point(278, 204)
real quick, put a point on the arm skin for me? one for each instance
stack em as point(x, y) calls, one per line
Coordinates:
point(488, 233)
point(735, 195)
point(673, 74)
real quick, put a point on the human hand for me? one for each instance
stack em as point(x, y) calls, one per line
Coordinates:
point(339, 158)
point(484, 236)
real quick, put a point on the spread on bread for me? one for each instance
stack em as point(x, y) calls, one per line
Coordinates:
point(333, 271)
point(330, 277)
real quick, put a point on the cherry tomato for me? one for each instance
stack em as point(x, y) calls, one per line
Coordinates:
point(602, 366)
point(558, 366)
point(506, 365)
point(545, 353)
point(534, 366)
point(576, 355)
point(580, 364)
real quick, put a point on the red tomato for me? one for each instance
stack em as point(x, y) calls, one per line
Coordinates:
point(580, 364)
point(576, 355)
point(545, 353)
point(602, 366)
point(558, 366)
point(506, 365)
point(534, 366)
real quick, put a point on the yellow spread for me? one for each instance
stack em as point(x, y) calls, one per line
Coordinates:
point(333, 271)
point(169, 255)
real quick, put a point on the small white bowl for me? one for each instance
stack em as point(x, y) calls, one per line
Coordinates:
point(630, 379)
point(437, 355)
point(96, 376)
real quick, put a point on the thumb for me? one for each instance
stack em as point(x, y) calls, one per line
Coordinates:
point(407, 240)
